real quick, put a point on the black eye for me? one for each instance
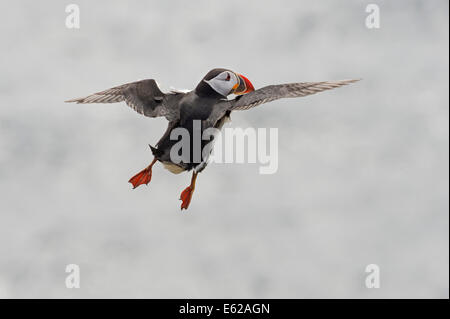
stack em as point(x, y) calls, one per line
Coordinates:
point(228, 77)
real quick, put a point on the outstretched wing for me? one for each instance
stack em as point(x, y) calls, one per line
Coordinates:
point(275, 92)
point(144, 97)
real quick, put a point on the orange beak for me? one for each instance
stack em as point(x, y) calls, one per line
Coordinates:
point(244, 86)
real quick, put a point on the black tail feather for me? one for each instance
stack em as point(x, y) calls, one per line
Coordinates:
point(154, 150)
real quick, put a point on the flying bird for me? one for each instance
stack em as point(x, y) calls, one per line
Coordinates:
point(208, 103)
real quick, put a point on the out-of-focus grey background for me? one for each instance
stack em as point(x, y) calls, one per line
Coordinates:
point(363, 170)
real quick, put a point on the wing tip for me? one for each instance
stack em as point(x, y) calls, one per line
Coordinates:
point(352, 80)
point(348, 81)
point(343, 82)
point(78, 100)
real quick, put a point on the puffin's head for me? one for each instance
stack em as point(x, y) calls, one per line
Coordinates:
point(224, 82)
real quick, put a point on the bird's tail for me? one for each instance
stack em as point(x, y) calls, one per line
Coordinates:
point(155, 151)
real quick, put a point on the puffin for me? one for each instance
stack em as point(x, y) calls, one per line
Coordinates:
point(207, 106)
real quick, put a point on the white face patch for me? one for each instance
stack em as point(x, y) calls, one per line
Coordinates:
point(223, 83)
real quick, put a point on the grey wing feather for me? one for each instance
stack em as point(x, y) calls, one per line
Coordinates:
point(275, 92)
point(144, 97)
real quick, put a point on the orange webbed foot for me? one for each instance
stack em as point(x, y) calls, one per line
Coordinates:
point(186, 196)
point(143, 177)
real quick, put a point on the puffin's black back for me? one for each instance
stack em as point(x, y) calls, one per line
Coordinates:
point(199, 108)
point(196, 105)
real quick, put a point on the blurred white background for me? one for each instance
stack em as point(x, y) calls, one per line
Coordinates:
point(363, 170)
